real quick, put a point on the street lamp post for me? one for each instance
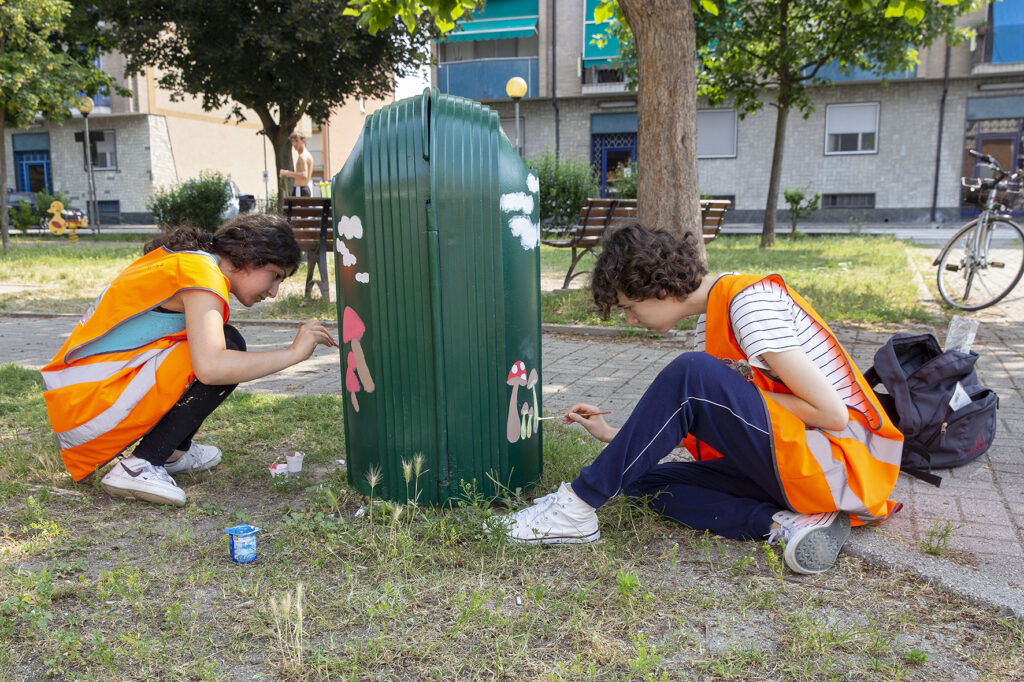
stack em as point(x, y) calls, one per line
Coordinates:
point(85, 108)
point(516, 89)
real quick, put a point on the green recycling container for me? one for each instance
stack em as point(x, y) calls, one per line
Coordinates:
point(438, 273)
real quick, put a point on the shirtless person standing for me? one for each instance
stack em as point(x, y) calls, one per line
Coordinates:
point(303, 173)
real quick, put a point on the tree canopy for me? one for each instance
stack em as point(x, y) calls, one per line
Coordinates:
point(281, 59)
point(665, 44)
point(753, 52)
point(41, 73)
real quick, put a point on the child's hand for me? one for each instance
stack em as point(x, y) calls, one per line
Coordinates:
point(584, 415)
point(310, 335)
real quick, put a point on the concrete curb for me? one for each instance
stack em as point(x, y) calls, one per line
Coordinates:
point(965, 582)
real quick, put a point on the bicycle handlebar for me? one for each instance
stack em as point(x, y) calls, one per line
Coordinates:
point(986, 158)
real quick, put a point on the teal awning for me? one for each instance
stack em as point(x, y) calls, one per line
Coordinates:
point(498, 20)
point(493, 29)
point(592, 54)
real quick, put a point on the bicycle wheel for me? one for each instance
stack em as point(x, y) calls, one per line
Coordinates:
point(974, 275)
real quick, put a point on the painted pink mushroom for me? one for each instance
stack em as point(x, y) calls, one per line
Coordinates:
point(352, 329)
point(516, 378)
point(351, 382)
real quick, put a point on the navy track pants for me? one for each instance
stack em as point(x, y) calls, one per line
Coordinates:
point(175, 429)
point(734, 496)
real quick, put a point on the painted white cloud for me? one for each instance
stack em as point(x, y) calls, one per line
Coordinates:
point(527, 231)
point(348, 258)
point(517, 202)
point(350, 227)
point(363, 277)
point(532, 183)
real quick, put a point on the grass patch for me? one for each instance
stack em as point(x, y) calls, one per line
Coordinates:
point(847, 278)
point(863, 279)
point(64, 278)
point(96, 588)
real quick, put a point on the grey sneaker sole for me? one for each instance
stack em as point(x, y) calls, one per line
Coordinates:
point(559, 539)
point(147, 495)
point(816, 550)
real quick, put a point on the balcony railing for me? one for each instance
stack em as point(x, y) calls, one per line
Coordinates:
point(486, 78)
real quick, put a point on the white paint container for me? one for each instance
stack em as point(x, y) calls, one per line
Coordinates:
point(295, 462)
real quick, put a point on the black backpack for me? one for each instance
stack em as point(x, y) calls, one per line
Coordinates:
point(921, 381)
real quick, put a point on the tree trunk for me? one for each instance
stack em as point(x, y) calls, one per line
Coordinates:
point(278, 134)
point(4, 228)
point(283, 158)
point(768, 228)
point(668, 194)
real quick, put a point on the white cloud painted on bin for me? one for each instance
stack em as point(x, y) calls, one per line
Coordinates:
point(527, 231)
point(363, 277)
point(517, 202)
point(350, 227)
point(348, 258)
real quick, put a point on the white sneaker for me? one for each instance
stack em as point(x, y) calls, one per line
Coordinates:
point(197, 458)
point(134, 477)
point(812, 541)
point(555, 519)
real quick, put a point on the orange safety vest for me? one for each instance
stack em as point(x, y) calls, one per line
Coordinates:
point(101, 403)
point(853, 470)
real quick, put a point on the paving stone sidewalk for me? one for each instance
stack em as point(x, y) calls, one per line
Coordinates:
point(984, 500)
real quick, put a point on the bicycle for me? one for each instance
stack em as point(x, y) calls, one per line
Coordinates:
point(984, 260)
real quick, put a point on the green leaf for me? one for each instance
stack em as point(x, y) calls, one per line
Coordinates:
point(895, 9)
point(914, 11)
point(709, 6)
point(604, 11)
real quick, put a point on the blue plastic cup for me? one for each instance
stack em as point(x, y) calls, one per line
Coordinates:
point(243, 542)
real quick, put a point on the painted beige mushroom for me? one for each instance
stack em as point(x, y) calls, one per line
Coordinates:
point(516, 378)
point(352, 329)
point(351, 382)
point(534, 410)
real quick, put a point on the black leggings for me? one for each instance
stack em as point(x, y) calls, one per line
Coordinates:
point(175, 429)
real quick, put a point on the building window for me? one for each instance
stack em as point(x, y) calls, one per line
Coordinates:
point(102, 149)
point(32, 162)
point(847, 200)
point(594, 55)
point(716, 134)
point(851, 128)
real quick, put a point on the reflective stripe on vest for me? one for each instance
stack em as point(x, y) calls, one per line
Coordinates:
point(143, 381)
point(852, 470)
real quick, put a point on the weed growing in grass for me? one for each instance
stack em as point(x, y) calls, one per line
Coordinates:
point(937, 540)
point(647, 660)
point(775, 563)
point(287, 612)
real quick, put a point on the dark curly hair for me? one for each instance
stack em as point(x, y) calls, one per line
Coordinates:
point(248, 241)
point(643, 263)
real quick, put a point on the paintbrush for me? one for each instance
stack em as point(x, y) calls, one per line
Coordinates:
point(582, 414)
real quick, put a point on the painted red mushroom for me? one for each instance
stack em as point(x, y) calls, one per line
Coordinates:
point(516, 378)
point(352, 329)
point(351, 382)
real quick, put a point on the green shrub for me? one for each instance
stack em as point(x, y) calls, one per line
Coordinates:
point(624, 184)
point(23, 216)
point(565, 185)
point(198, 202)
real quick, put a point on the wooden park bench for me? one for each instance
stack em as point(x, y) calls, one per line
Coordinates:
point(598, 216)
point(310, 218)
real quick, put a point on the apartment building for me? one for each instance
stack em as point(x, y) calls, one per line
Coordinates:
point(878, 150)
point(147, 140)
